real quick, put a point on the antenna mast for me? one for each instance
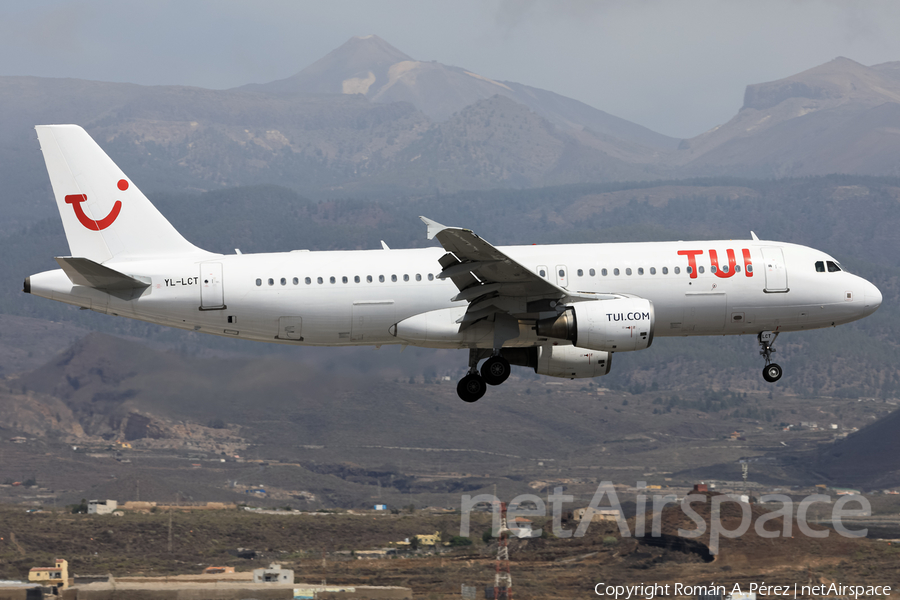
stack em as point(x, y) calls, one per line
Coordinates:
point(502, 577)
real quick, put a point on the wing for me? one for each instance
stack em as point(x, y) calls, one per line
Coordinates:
point(491, 281)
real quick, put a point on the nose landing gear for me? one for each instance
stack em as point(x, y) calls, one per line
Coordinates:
point(772, 372)
point(494, 371)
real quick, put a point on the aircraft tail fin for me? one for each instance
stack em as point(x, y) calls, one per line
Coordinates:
point(104, 214)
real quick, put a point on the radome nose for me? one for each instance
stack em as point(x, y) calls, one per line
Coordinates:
point(873, 297)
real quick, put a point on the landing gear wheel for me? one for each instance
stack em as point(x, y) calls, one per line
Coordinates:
point(772, 373)
point(471, 387)
point(495, 370)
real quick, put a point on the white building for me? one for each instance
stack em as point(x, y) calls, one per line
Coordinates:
point(102, 507)
point(274, 574)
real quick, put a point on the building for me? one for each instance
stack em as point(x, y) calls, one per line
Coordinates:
point(429, 540)
point(101, 507)
point(421, 540)
point(601, 514)
point(57, 576)
point(521, 528)
point(274, 574)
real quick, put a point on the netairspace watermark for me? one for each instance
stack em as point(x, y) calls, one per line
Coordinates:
point(717, 530)
point(649, 591)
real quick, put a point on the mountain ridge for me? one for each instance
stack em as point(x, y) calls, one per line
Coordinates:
point(372, 67)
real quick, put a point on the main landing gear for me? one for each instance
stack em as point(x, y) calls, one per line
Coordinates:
point(494, 371)
point(771, 372)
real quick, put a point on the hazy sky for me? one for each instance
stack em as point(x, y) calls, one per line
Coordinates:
point(678, 67)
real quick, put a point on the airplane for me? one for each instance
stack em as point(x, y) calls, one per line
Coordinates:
point(561, 310)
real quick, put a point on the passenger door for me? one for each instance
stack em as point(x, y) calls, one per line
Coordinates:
point(212, 294)
point(776, 271)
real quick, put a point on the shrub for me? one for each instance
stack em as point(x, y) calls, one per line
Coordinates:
point(458, 540)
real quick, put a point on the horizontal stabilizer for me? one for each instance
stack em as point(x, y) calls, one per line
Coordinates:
point(84, 271)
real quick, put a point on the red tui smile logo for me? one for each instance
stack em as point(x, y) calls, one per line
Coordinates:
point(76, 199)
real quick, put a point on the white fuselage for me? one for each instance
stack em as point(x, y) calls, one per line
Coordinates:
point(355, 297)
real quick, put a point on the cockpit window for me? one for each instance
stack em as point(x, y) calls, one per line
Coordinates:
point(833, 267)
point(820, 266)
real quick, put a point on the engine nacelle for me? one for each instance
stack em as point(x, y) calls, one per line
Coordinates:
point(572, 362)
point(619, 325)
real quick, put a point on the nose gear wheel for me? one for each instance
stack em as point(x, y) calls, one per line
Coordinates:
point(772, 372)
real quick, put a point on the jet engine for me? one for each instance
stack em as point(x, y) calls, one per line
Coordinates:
point(566, 361)
point(619, 325)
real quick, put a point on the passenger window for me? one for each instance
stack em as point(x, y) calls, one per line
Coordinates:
point(749, 268)
point(430, 277)
point(296, 280)
point(381, 279)
point(724, 268)
point(665, 270)
point(833, 267)
point(319, 280)
point(368, 279)
point(737, 268)
point(580, 273)
point(283, 281)
point(405, 277)
point(393, 278)
point(712, 269)
point(615, 271)
point(603, 272)
point(628, 271)
point(271, 281)
point(653, 270)
point(640, 270)
point(344, 279)
point(689, 270)
point(542, 273)
point(700, 268)
point(332, 279)
point(259, 282)
point(418, 277)
point(592, 272)
point(356, 279)
point(308, 281)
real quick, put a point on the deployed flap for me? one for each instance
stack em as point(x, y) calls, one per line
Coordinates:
point(83, 271)
point(477, 263)
point(496, 286)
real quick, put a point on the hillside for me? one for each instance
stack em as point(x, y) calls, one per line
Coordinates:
point(867, 457)
point(128, 421)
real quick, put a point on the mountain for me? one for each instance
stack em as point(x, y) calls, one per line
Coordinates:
point(369, 121)
point(170, 138)
point(839, 117)
point(370, 66)
point(867, 457)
